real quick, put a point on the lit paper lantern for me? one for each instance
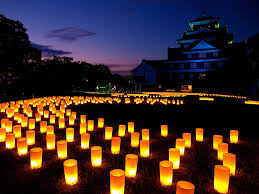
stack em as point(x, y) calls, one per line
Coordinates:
point(70, 134)
point(100, 122)
point(130, 127)
point(46, 114)
point(145, 134)
point(229, 160)
point(3, 122)
point(51, 141)
point(117, 181)
point(199, 134)
point(96, 156)
point(216, 140)
point(180, 144)
point(50, 129)
point(135, 139)
point(122, 129)
point(222, 149)
point(31, 123)
point(30, 136)
point(184, 187)
point(82, 128)
point(233, 136)
point(62, 149)
point(144, 148)
point(221, 178)
point(174, 157)
point(10, 141)
point(36, 157)
point(108, 133)
point(22, 147)
point(52, 119)
point(38, 117)
point(85, 140)
point(2, 134)
point(24, 121)
point(166, 172)
point(82, 118)
point(131, 165)
point(90, 125)
point(164, 130)
point(61, 123)
point(43, 126)
point(68, 112)
point(71, 120)
point(9, 126)
point(17, 130)
point(70, 171)
point(73, 114)
point(115, 145)
point(188, 139)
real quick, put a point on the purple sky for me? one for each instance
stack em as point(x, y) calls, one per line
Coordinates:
point(120, 33)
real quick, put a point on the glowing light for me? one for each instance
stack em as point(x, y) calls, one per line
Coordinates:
point(70, 171)
point(96, 156)
point(174, 157)
point(221, 178)
point(164, 130)
point(166, 172)
point(36, 157)
point(117, 181)
point(184, 187)
point(131, 164)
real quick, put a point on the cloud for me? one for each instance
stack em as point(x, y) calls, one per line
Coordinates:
point(69, 34)
point(47, 50)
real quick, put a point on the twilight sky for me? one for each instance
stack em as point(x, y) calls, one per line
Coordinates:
point(120, 33)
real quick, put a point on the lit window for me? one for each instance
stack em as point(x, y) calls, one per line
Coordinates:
point(202, 55)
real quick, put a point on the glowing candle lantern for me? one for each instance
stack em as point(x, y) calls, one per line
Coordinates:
point(22, 147)
point(164, 130)
point(9, 126)
point(36, 157)
point(70, 171)
point(90, 125)
point(96, 156)
point(117, 181)
point(85, 140)
point(46, 114)
point(19, 119)
point(216, 140)
point(10, 141)
point(100, 122)
point(30, 136)
point(31, 123)
point(24, 121)
point(221, 178)
point(17, 130)
point(199, 134)
point(130, 127)
point(180, 144)
point(62, 115)
point(122, 129)
point(57, 113)
point(51, 141)
point(174, 157)
point(38, 117)
point(43, 126)
point(52, 119)
point(135, 139)
point(188, 139)
point(115, 145)
point(61, 123)
point(62, 149)
point(233, 136)
point(82, 128)
point(73, 114)
point(145, 134)
point(3, 122)
point(144, 148)
point(184, 187)
point(222, 149)
point(229, 160)
point(108, 133)
point(82, 118)
point(131, 165)
point(68, 112)
point(71, 120)
point(70, 134)
point(166, 172)
point(2, 134)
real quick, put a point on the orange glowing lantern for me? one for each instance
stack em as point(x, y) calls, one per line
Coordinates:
point(184, 187)
point(71, 120)
point(68, 112)
point(30, 136)
point(122, 129)
point(221, 178)
point(174, 157)
point(96, 156)
point(51, 141)
point(70, 171)
point(188, 139)
point(22, 147)
point(17, 130)
point(43, 126)
point(233, 136)
point(38, 117)
point(222, 149)
point(145, 134)
point(73, 114)
point(164, 130)
point(62, 149)
point(31, 123)
point(52, 119)
point(36, 157)
point(85, 140)
point(82, 118)
point(117, 181)
point(216, 140)
point(10, 141)
point(2, 134)
point(108, 133)
point(50, 129)
point(144, 148)
point(135, 139)
point(115, 145)
point(70, 134)
point(3, 121)
point(131, 165)
point(90, 125)
point(61, 123)
point(229, 160)
point(130, 127)
point(46, 114)
point(180, 144)
point(24, 121)
point(82, 128)
point(100, 122)
point(166, 172)
point(199, 134)
point(9, 126)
